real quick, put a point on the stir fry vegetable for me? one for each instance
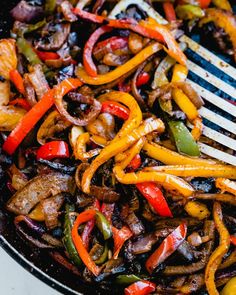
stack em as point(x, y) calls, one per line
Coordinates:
point(99, 167)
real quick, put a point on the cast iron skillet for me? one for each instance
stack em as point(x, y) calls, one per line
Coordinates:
point(39, 263)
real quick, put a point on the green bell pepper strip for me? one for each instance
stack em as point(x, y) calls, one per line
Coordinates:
point(189, 11)
point(184, 140)
point(127, 279)
point(103, 225)
point(103, 257)
point(25, 48)
point(67, 239)
point(28, 28)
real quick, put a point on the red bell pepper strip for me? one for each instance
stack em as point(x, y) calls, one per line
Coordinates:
point(45, 55)
point(89, 226)
point(167, 247)
point(116, 109)
point(35, 114)
point(204, 3)
point(89, 65)
point(233, 240)
point(154, 196)
point(21, 102)
point(83, 253)
point(53, 149)
point(142, 79)
point(89, 16)
point(120, 236)
point(111, 44)
point(17, 80)
point(135, 163)
point(140, 288)
point(150, 30)
point(169, 10)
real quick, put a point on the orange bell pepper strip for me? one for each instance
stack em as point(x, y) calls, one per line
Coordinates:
point(180, 73)
point(217, 256)
point(170, 157)
point(121, 70)
point(197, 128)
point(118, 146)
point(167, 247)
point(200, 171)
point(169, 10)
point(35, 114)
point(83, 253)
point(222, 4)
point(88, 50)
point(17, 80)
point(204, 3)
point(120, 236)
point(173, 48)
point(226, 185)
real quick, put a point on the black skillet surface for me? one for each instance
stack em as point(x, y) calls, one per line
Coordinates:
point(39, 263)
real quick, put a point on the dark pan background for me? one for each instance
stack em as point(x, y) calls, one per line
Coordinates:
point(38, 262)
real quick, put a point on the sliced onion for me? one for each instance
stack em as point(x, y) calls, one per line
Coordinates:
point(66, 8)
point(95, 110)
point(38, 80)
point(25, 12)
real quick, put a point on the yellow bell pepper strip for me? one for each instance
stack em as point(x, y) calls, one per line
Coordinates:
point(37, 213)
point(189, 12)
point(223, 19)
point(36, 113)
point(197, 210)
point(135, 114)
point(222, 4)
point(197, 128)
point(180, 73)
point(201, 171)
point(226, 185)
point(217, 256)
point(169, 182)
point(120, 236)
point(99, 140)
point(170, 157)
point(119, 146)
point(185, 104)
point(83, 253)
point(121, 70)
point(80, 148)
point(132, 152)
